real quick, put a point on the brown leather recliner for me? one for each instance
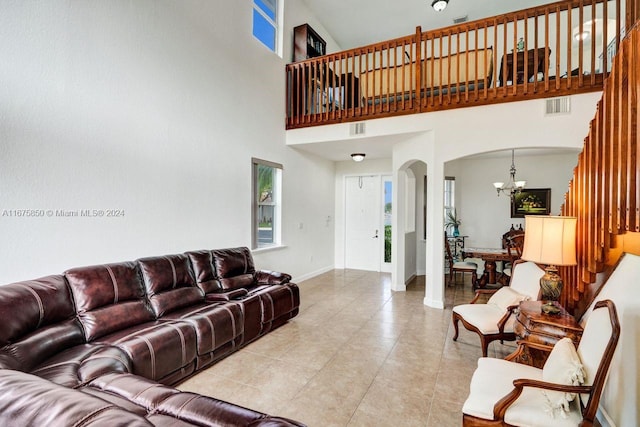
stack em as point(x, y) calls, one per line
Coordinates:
point(103, 333)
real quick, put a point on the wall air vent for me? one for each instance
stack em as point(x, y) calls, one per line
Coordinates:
point(356, 129)
point(560, 105)
point(460, 20)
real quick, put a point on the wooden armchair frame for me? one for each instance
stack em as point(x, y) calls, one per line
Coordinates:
point(594, 390)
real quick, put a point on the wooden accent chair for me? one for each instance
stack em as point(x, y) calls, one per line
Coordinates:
point(459, 266)
point(513, 242)
point(494, 320)
point(504, 393)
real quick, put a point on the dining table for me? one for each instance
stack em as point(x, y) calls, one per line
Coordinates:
point(489, 256)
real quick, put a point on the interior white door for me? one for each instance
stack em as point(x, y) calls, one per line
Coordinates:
point(363, 233)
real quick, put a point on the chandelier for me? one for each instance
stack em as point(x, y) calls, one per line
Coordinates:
point(512, 187)
point(439, 5)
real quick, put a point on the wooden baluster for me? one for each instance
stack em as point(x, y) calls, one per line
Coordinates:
point(558, 32)
point(418, 67)
point(525, 55)
point(605, 54)
point(614, 80)
point(466, 64)
point(593, 43)
point(599, 190)
point(634, 122)
point(569, 44)
point(621, 130)
point(536, 61)
point(487, 79)
point(433, 69)
point(546, 51)
point(514, 68)
point(441, 56)
point(495, 56)
point(580, 42)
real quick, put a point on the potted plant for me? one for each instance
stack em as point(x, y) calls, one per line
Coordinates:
point(452, 221)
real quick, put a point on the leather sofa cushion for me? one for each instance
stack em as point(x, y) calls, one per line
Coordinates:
point(205, 271)
point(23, 398)
point(234, 267)
point(214, 324)
point(83, 363)
point(37, 321)
point(169, 283)
point(168, 406)
point(278, 303)
point(108, 298)
point(158, 349)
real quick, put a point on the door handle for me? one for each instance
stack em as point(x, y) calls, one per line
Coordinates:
point(376, 236)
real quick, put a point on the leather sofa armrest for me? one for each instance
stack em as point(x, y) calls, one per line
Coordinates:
point(266, 277)
point(226, 296)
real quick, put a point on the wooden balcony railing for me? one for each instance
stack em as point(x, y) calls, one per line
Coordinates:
point(552, 50)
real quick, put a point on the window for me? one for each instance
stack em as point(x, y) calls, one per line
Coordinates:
point(266, 203)
point(265, 22)
point(449, 197)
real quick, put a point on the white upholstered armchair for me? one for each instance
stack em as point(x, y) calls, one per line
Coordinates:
point(565, 392)
point(494, 320)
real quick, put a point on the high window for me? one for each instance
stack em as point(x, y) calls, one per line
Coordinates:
point(449, 197)
point(265, 22)
point(266, 203)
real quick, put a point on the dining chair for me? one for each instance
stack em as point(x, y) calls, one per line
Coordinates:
point(565, 392)
point(514, 245)
point(459, 266)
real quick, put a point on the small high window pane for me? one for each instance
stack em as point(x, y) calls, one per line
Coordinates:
point(265, 22)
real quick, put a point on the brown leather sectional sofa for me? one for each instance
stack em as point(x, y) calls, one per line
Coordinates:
point(101, 345)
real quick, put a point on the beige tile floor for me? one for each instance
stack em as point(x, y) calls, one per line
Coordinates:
point(358, 354)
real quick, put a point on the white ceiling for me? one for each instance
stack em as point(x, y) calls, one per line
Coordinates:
point(356, 23)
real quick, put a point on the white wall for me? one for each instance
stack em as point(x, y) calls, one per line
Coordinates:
point(154, 108)
point(485, 216)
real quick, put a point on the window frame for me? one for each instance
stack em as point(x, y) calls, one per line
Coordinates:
point(450, 190)
point(275, 23)
point(276, 203)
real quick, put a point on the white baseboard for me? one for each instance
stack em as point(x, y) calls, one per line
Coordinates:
point(413, 276)
point(433, 303)
point(312, 274)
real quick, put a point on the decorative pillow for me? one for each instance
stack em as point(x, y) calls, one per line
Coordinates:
point(562, 367)
point(505, 297)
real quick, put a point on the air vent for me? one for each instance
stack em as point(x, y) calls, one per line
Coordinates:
point(461, 19)
point(356, 129)
point(558, 106)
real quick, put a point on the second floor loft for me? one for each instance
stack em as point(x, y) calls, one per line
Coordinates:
point(547, 51)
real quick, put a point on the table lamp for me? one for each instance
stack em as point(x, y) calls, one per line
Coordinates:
point(550, 240)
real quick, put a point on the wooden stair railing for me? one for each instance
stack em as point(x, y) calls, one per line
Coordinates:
point(605, 190)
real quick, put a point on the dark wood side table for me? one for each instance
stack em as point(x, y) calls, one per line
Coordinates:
point(533, 67)
point(537, 333)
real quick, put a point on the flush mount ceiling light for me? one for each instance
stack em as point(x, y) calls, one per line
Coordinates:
point(439, 5)
point(358, 157)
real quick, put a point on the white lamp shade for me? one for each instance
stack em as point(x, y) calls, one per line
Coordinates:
point(498, 184)
point(550, 240)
